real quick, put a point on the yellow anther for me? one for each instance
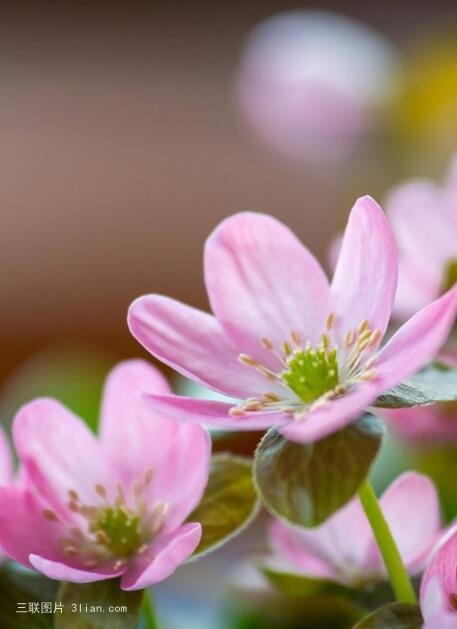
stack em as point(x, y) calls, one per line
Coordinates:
point(330, 321)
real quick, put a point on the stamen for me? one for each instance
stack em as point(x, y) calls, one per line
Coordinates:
point(349, 339)
point(148, 476)
point(50, 515)
point(295, 336)
point(101, 491)
point(363, 326)
point(330, 321)
point(286, 348)
point(247, 360)
point(267, 344)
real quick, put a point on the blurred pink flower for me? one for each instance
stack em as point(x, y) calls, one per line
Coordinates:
point(6, 465)
point(6, 461)
point(95, 509)
point(310, 82)
point(423, 216)
point(435, 423)
point(299, 353)
point(438, 595)
point(343, 549)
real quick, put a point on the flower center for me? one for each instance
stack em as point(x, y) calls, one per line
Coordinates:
point(115, 529)
point(314, 374)
point(311, 372)
point(118, 530)
point(453, 601)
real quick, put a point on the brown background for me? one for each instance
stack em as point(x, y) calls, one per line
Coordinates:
point(121, 148)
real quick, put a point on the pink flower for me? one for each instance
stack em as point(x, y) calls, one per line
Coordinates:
point(438, 595)
point(424, 221)
point(297, 352)
point(311, 82)
point(93, 509)
point(435, 423)
point(6, 465)
point(343, 549)
point(6, 461)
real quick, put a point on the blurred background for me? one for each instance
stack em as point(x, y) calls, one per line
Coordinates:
point(129, 130)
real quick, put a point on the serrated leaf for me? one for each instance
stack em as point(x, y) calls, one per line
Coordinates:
point(101, 605)
point(306, 483)
point(18, 590)
point(294, 584)
point(229, 502)
point(393, 616)
point(436, 383)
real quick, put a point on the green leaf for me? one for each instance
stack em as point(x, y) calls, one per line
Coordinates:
point(298, 585)
point(436, 383)
point(306, 483)
point(101, 605)
point(228, 504)
point(393, 616)
point(20, 589)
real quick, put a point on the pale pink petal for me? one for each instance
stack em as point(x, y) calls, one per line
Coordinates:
point(214, 414)
point(412, 510)
point(424, 228)
point(365, 279)
point(426, 424)
point(262, 282)
point(6, 460)
point(24, 529)
point(443, 565)
point(137, 439)
point(287, 545)
point(193, 343)
point(333, 415)
point(59, 452)
point(417, 341)
point(328, 547)
point(440, 581)
point(63, 572)
point(168, 552)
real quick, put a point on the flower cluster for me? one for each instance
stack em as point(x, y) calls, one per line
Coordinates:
point(298, 356)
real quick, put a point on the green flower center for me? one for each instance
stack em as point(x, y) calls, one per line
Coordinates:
point(117, 528)
point(312, 372)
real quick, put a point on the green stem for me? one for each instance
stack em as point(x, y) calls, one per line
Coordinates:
point(398, 576)
point(147, 609)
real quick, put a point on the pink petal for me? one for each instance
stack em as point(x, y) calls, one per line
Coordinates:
point(168, 552)
point(138, 439)
point(365, 278)
point(63, 572)
point(424, 228)
point(24, 529)
point(58, 452)
point(6, 460)
point(262, 282)
point(417, 341)
point(412, 510)
point(328, 547)
point(426, 424)
point(193, 343)
point(214, 414)
point(332, 415)
point(288, 545)
point(440, 577)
